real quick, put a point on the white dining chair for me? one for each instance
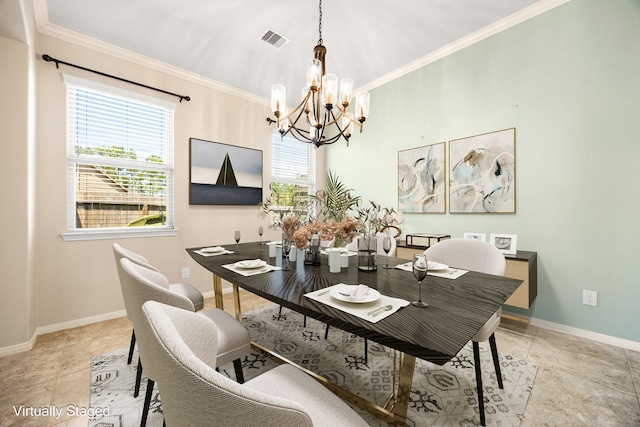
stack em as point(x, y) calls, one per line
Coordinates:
point(475, 255)
point(141, 284)
point(182, 348)
point(184, 289)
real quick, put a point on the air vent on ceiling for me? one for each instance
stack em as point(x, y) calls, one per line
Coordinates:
point(273, 38)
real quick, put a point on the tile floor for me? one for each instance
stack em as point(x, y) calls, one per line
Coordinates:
point(579, 382)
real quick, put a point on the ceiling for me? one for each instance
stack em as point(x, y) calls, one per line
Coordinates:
point(367, 40)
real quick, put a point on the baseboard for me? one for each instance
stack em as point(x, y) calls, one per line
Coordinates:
point(79, 322)
point(19, 348)
point(569, 330)
point(582, 333)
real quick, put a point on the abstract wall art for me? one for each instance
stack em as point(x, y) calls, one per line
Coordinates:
point(421, 179)
point(482, 174)
point(222, 174)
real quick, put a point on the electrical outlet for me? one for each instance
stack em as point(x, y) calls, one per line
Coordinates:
point(185, 272)
point(590, 297)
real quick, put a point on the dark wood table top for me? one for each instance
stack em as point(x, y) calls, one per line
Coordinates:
point(457, 308)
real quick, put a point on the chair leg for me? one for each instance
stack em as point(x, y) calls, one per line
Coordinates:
point(476, 362)
point(496, 363)
point(366, 350)
point(131, 346)
point(136, 391)
point(326, 332)
point(147, 402)
point(237, 366)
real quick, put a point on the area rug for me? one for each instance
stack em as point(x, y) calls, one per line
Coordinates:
point(440, 396)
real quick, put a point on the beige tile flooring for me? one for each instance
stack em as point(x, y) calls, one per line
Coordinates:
point(579, 382)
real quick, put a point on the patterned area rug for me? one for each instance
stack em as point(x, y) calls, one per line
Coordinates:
point(440, 396)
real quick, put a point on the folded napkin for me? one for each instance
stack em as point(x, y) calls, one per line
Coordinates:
point(251, 271)
point(205, 252)
point(372, 312)
point(343, 251)
point(450, 273)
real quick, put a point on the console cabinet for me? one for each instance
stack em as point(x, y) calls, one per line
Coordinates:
point(523, 266)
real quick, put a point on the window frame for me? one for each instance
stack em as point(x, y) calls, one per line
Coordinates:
point(72, 159)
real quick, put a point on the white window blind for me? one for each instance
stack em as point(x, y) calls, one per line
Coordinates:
point(292, 161)
point(119, 160)
point(292, 170)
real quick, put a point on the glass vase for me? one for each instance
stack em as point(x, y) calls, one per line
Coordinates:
point(367, 253)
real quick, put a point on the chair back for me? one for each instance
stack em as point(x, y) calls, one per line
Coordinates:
point(468, 254)
point(193, 393)
point(473, 255)
point(139, 285)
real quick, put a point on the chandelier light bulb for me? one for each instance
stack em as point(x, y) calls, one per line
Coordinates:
point(346, 91)
point(329, 90)
point(314, 74)
point(362, 106)
point(278, 99)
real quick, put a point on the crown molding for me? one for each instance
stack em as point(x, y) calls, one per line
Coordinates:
point(45, 27)
point(486, 32)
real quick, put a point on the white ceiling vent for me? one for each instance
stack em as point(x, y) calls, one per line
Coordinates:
point(273, 38)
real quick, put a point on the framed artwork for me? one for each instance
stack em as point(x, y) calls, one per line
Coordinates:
point(482, 173)
point(476, 236)
point(222, 174)
point(421, 179)
point(507, 243)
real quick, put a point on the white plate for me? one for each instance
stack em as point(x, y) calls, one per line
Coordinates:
point(212, 250)
point(436, 266)
point(371, 296)
point(251, 263)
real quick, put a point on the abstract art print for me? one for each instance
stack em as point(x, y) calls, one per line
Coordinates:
point(421, 179)
point(223, 174)
point(482, 174)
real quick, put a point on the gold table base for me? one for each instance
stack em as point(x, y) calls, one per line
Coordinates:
point(396, 406)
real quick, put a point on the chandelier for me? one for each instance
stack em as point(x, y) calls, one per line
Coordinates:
point(321, 118)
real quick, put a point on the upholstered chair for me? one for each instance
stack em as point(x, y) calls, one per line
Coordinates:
point(141, 284)
point(194, 394)
point(183, 289)
point(475, 255)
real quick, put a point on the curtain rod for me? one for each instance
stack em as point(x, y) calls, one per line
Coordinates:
point(58, 62)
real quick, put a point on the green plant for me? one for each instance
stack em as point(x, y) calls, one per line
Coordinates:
point(335, 200)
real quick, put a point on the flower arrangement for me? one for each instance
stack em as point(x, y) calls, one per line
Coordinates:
point(375, 218)
point(342, 231)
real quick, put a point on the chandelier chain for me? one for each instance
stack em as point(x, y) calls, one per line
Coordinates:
point(320, 24)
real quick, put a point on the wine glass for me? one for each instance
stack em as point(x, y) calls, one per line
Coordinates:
point(286, 248)
point(420, 272)
point(236, 236)
point(386, 245)
point(260, 232)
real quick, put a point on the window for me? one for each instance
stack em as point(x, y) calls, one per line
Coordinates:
point(119, 162)
point(292, 171)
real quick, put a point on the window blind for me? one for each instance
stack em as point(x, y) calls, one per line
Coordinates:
point(120, 158)
point(292, 162)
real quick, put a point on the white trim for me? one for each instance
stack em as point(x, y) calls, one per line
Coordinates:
point(26, 346)
point(486, 32)
point(80, 322)
point(19, 348)
point(581, 333)
point(132, 232)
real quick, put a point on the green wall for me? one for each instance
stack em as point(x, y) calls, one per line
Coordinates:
point(569, 82)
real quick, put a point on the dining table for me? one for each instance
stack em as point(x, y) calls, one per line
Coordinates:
point(459, 303)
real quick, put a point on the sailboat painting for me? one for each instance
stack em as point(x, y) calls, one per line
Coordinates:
point(223, 174)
